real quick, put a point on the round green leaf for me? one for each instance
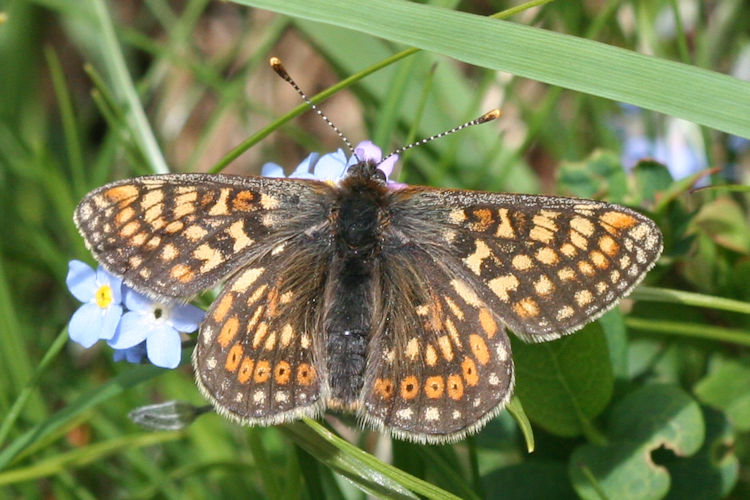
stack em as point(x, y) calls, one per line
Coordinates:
point(652, 417)
point(565, 383)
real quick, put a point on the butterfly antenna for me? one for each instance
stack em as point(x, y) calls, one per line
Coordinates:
point(488, 116)
point(278, 67)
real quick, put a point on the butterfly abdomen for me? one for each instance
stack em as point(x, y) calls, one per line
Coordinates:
point(348, 318)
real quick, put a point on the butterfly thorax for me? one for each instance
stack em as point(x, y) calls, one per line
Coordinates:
point(357, 221)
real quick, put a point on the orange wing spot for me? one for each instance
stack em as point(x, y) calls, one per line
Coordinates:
point(584, 297)
point(522, 262)
point(586, 268)
point(409, 388)
point(158, 223)
point(246, 370)
point(542, 234)
point(122, 193)
point(182, 273)
point(206, 199)
point(568, 250)
point(430, 355)
point(270, 342)
point(180, 210)
point(234, 357)
point(169, 252)
point(455, 387)
point(195, 233)
point(254, 318)
point(487, 322)
point(222, 307)
point(609, 245)
point(282, 372)
point(211, 257)
point(129, 229)
point(153, 243)
point(504, 228)
point(617, 220)
point(124, 215)
point(272, 301)
point(502, 285)
point(547, 256)
point(243, 201)
point(599, 259)
point(383, 387)
point(305, 374)
point(174, 226)
point(139, 239)
point(469, 370)
point(565, 312)
point(582, 225)
point(412, 349)
point(578, 240)
point(434, 387)
point(484, 219)
point(566, 274)
point(479, 348)
point(526, 308)
point(256, 294)
point(260, 334)
point(262, 371)
point(287, 334)
point(543, 286)
point(444, 343)
point(220, 207)
point(228, 331)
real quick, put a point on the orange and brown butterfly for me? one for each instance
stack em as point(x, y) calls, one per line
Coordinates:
point(387, 301)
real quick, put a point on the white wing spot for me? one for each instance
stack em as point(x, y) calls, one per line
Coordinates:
point(431, 414)
point(405, 414)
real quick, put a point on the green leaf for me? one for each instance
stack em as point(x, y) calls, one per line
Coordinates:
point(724, 221)
point(651, 177)
point(688, 92)
point(727, 387)
point(371, 475)
point(566, 383)
point(653, 416)
point(532, 479)
point(713, 471)
point(598, 176)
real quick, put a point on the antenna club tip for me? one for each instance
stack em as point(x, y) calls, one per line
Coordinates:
point(490, 115)
point(278, 67)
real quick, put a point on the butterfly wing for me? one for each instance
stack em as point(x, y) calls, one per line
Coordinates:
point(545, 265)
point(174, 235)
point(439, 363)
point(258, 358)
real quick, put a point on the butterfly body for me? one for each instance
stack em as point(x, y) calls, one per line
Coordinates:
point(391, 303)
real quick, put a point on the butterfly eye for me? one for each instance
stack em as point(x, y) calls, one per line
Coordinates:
point(379, 175)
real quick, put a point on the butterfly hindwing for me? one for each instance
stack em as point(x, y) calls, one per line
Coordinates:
point(440, 363)
point(175, 235)
point(258, 357)
point(545, 265)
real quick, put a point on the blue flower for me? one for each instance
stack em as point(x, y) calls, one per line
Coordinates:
point(158, 325)
point(333, 167)
point(101, 294)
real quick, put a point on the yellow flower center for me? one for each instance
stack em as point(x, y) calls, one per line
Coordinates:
point(104, 296)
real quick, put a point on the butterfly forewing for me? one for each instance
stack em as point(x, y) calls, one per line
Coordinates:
point(258, 357)
point(545, 265)
point(175, 235)
point(440, 363)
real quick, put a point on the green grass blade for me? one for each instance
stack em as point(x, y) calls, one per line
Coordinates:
point(695, 94)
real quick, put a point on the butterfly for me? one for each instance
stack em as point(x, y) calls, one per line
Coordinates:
point(390, 303)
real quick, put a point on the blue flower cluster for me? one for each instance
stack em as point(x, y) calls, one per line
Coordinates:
point(333, 167)
point(136, 326)
point(146, 328)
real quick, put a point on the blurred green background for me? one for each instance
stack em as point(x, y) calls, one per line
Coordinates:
point(651, 401)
